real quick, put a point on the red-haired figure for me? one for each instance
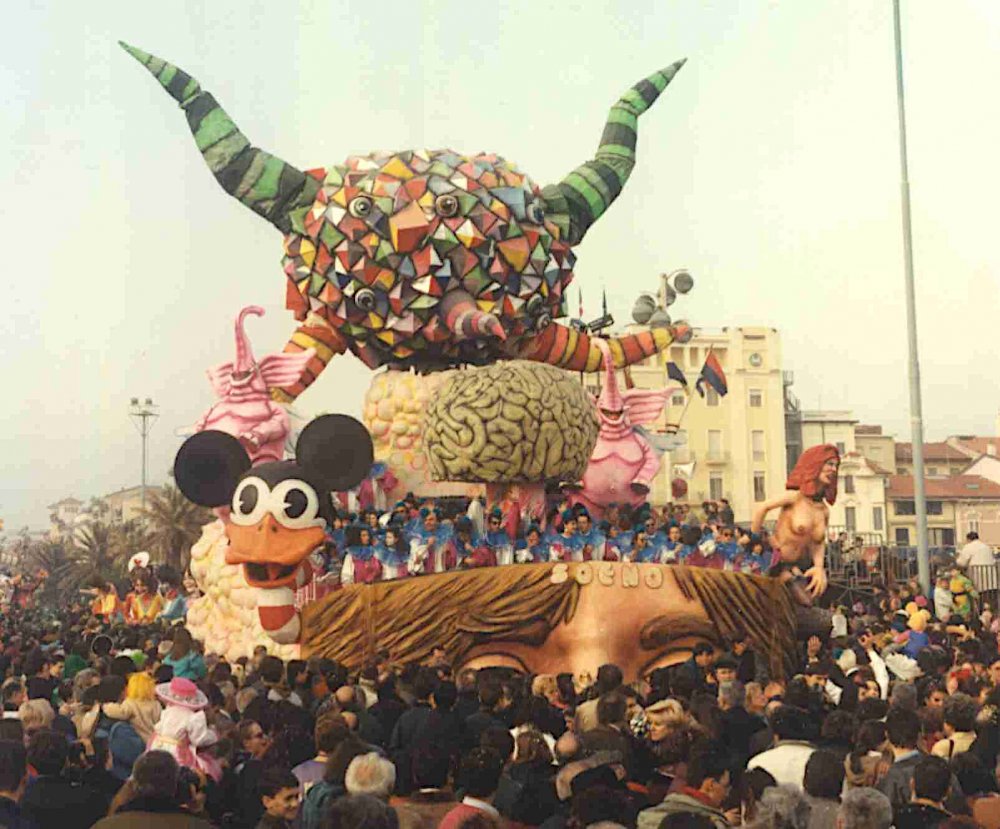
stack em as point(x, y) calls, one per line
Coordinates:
point(799, 538)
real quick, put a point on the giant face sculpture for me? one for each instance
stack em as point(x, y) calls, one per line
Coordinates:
point(427, 258)
point(549, 618)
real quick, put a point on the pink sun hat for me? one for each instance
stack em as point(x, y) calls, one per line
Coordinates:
point(182, 692)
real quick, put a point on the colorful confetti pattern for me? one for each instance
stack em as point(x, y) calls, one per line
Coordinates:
point(426, 258)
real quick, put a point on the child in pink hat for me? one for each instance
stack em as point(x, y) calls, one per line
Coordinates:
point(182, 729)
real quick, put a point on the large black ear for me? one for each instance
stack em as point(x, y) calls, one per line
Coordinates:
point(336, 450)
point(208, 466)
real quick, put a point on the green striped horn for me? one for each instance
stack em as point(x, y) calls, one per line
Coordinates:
point(581, 198)
point(267, 185)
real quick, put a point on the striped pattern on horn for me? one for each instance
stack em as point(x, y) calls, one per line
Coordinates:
point(581, 198)
point(270, 187)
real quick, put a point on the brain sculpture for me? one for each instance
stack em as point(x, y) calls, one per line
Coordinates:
point(515, 422)
point(426, 258)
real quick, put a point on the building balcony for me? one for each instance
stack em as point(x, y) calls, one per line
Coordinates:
point(720, 456)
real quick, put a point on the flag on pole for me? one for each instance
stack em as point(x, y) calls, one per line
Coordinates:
point(674, 373)
point(712, 374)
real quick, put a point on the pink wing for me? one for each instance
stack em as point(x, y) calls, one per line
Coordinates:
point(644, 406)
point(281, 370)
point(221, 379)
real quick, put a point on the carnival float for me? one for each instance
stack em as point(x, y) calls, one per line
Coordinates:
point(447, 274)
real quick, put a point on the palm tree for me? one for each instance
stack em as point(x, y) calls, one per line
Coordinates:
point(173, 524)
point(93, 558)
point(128, 538)
point(51, 556)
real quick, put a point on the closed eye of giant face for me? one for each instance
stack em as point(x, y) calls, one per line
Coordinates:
point(250, 501)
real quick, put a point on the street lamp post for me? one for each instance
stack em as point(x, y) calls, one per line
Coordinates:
point(142, 416)
point(916, 405)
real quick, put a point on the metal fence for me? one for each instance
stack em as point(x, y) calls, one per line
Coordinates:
point(866, 562)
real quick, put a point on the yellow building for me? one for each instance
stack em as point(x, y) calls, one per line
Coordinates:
point(737, 442)
point(877, 447)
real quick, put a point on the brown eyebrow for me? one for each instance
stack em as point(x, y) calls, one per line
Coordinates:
point(664, 629)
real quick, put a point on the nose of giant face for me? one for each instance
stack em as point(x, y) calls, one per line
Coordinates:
point(408, 228)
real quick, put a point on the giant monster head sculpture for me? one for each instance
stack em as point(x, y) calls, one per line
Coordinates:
point(427, 258)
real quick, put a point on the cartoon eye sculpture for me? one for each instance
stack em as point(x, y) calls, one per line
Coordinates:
point(446, 206)
point(365, 299)
point(535, 212)
point(250, 502)
point(360, 207)
point(295, 505)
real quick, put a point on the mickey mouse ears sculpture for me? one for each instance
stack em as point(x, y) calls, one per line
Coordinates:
point(334, 453)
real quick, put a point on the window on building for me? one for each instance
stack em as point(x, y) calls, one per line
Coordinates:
point(941, 536)
point(759, 486)
point(677, 399)
point(902, 536)
point(711, 396)
point(714, 443)
point(693, 354)
point(715, 487)
point(878, 519)
point(973, 524)
point(935, 507)
point(757, 444)
point(841, 449)
point(756, 398)
point(904, 507)
point(850, 519)
point(849, 484)
point(932, 470)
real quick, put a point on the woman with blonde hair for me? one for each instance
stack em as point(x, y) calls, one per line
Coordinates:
point(140, 707)
point(35, 715)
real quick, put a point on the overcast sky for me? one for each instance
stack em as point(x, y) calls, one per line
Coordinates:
point(769, 168)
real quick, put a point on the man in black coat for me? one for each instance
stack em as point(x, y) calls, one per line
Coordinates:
point(738, 724)
point(51, 799)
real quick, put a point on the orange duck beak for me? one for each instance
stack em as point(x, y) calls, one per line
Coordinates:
point(270, 554)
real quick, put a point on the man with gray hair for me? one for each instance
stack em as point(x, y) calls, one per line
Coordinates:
point(370, 774)
point(738, 724)
point(864, 808)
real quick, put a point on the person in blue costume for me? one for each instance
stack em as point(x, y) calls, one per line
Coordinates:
point(614, 548)
point(174, 601)
point(670, 550)
point(470, 550)
point(430, 551)
point(642, 551)
point(593, 539)
point(531, 549)
point(498, 539)
point(360, 563)
point(370, 519)
point(337, 533)
point(726, 546)
point(567, 545)
point(655, 535)
point(393, 552)
point(690, 539)
point(755, 560)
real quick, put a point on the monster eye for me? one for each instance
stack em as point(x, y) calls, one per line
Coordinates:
point(543, 321)
point(535, 212)
point(250, 502)
point(365, 299)
point(446, 205)
point(535, 305)
point(295, 505)
point(360, 207)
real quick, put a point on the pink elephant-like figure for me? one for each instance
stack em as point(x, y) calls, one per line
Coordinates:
point(245, 409)
point(624, 462)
